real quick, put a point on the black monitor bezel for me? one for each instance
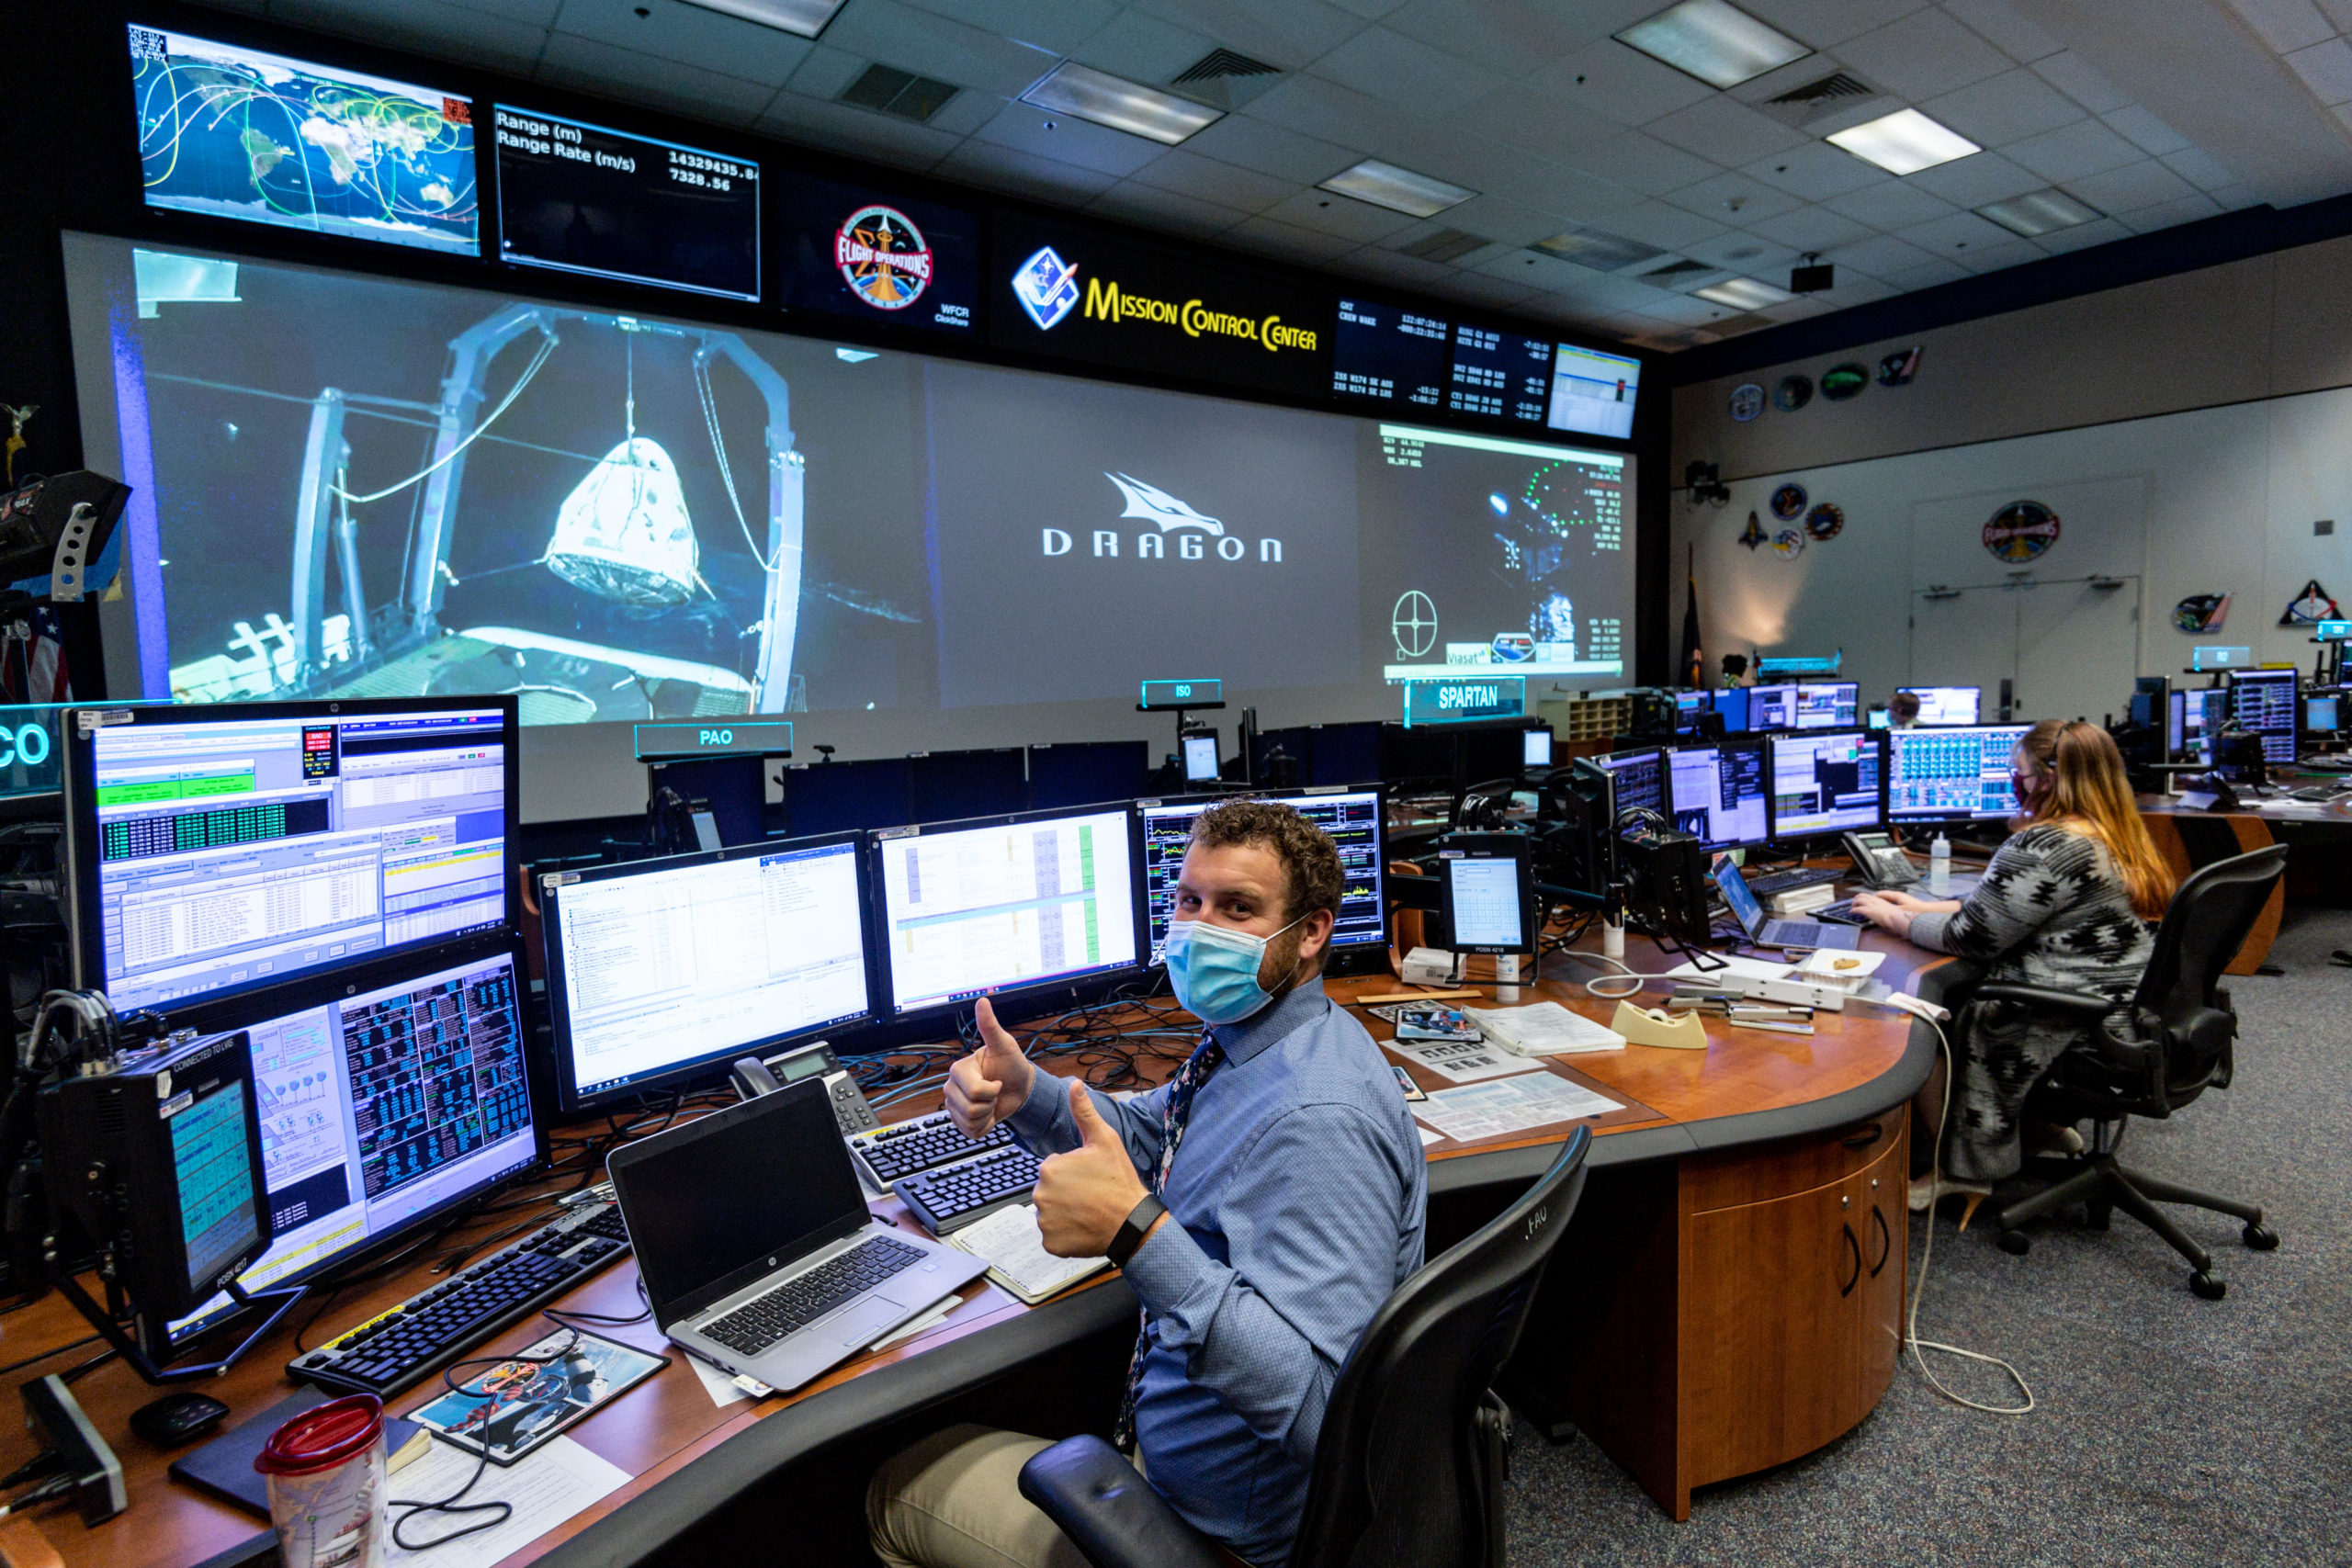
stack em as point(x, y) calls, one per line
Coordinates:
point(1486, 846)
point(1908, 819)
point(226, 1013)
point(1745, 742)
point(77, 782)
point(886, 1011)
point(1772, 791)
point(569, 1098)
point(1347, 958)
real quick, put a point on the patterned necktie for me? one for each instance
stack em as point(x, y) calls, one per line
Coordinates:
point(1173, 1116)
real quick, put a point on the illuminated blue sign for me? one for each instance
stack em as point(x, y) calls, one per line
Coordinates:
point(713, 738)
point(1457, 699)
point(1157, 694)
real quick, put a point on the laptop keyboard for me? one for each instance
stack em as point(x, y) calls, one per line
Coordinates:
point(802, 1300)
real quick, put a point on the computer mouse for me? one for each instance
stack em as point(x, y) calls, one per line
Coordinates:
point(177, 1418)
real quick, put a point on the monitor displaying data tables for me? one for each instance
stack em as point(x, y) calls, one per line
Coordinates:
point(1823, 782)
point(1828, 705)
point(660, 969)
point(1947, 704)
point(1640, 781)
point(1961, 772)
point(1771, 707)
point(1353, 819)
point(1718, 793)
point(223, 848)
point(2263, 701)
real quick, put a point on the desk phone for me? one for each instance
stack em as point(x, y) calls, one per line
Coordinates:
point(852, 1114)
point(1883, 865)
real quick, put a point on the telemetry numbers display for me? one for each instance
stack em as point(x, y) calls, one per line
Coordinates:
point(1350, 818)
point(1386, 355)
point(1500, 375)
point(1956, 772)
point(435, 1073)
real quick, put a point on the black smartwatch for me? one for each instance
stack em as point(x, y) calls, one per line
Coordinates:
point(1134, 1229)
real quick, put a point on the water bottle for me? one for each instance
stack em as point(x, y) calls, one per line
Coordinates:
point(1939, 865)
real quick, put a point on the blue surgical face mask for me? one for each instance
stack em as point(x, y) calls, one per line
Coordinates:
point(1213, 970)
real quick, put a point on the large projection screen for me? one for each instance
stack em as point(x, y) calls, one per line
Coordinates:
point(353, 484)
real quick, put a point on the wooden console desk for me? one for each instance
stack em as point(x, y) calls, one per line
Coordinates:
point(1729, 1298)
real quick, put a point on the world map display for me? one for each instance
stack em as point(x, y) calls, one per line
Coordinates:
point(239, 133)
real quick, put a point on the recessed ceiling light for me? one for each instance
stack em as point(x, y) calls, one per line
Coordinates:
point(1743, 294)
point(1593, 248)
point(1713, 41)
point(805, 18)
point(2039, 212)
point(1399, 190)
point(1074, 89)
point(1903, 143)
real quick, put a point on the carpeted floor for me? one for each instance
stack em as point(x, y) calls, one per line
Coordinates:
point(2169, 1429)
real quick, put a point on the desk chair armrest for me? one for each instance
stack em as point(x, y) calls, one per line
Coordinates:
point(2086, 1006)
point(1110, 1512)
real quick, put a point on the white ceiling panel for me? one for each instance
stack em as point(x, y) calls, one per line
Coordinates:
point(826, 72)
point(1142, 47)
point(1477, 289)
point(1825, 24)
point(1949, 237)
point(1325, 212)
point(1890, 204)
point(1506, 222)
point(2165, 215)
point(1624, 84)
point(1739, 252)
point(1881, 256)
point(2199, 168)
point(1150, 207)
point(1370, 10)
point(1998, 258)
point(574, 61)
point(2082, 236)
point(1287, 240)
point(1811, 229)
point(2326, 70)
point(2132, 187)
point(1723, 128)
point(2285, 25)
point(1535, 271)
point(1313, 107)
point(1925, 54)
point(1928, 276)
point(1059, 25)
point(2004, 108)
point(1288, 35)
point(1554, 188)
point(1017, 173)
point(2145, 131)
point(673, 31)
point(2071, 152)
point(1540, 113)
point(1815, 171)
point(2083, 82)
point(2002, 26)
point(1022, 127)
point(1735, 199)
point(884, 137)
point(897, 34)
point(967, 111)
point(1668, 228)
point(1393, 267)
point(1975, 180)
point(1487, 33)
point(1641, 163)
point(1204, 179)
point(1269, 150)
point(505, 38)
point(1407, 73)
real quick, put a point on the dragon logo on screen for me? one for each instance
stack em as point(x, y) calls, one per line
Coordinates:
point(1154, 505)
point(1046, 287)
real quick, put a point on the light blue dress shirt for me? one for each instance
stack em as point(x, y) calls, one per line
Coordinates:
point(1298, 1196)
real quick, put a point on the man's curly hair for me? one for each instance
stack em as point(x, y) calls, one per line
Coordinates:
point(1310, 861)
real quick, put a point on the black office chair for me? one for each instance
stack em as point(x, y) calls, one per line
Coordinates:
point(2174, 1044)
point(1414, 1454)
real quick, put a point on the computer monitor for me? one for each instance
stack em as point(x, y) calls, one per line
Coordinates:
point(1877, 718)
point(1535, 748)
point(945, 785)
point(1487, 895)
point(1087, 771)
point(843, 798)
point(1201, 759)
point(1824, 783)
point(1689, 703)
point(1947, 704)
point(2175, 724)
point(1959, 772)
point(661, 969)
point(218, 848)
point(2321, 714)
point(389, 1094)
point(969, 909)
point(1771, 707)
point(1732, 702)
point(1828, 705)
point(735, 788)
point(1640, 780)
point(1354, 819)
point(2208, 714)
point(1718, 793)
point(2263, 701)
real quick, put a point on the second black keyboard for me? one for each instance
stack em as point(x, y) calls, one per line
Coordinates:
point(950, 1197)
point(917, 1144)
point(803, 1298)
point(1798, 876)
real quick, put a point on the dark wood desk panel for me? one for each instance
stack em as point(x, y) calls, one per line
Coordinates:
point(2189, 837)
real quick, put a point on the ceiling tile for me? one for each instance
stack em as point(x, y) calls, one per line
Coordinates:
point(1506, 221)
point(2086, 147)
point(2199, 168)
point(1288, 35)
point(673, 31)
point(1950, 237)
point(1142, 48)
point(1269, 150)
point(1535, 271)
point(1996, 258)
point(1057, 24)
point(1022, 127)
point(2163, 215)
point(1018, 174)
point(2082, 236)
point(2326, 70)
point(1735, 199)
point(2004, 108)
point(1925, 54)
point(510, 40)
point(1641, 163)
point(1881, 256)
point(2285, 25)
point(1974, 180)
point(1370, 10)
point(1928, 276)
point(2134, 185)
point(1815, 171)
point(1151, 208)
point(1392, 267)
point(1553, 187)
point(897, 34)
point(1329, 213)
point(967, 111)
point(2005, 28)
point(1314, 107)
point(1513, 38)
point(827, 73)
point(1287, 241)
point(2236, 197)
point(1479, 289)
point(1737, 251)
point(1725, 130)
point(1204, 179)
point(1668, 228)
point(1406, 74)
point(1811, 229)
point(2081, 81)
point(2340, 12)
point(1686, 310)
point(1625, 85)
point(1541, 113)
point(2145, 131)
point(593, 67)
point(882, 137)
point(1890, 204)
point(1824, 24)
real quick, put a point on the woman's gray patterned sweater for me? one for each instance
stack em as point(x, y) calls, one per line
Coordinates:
point(2052, 911)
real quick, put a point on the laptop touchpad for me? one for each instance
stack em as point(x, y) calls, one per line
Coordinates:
point(860, 1324)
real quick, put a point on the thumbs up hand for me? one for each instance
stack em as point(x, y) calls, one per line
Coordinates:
point(1082, 1196)
point(993, 1082)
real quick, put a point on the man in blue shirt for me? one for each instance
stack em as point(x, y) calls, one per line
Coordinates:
point(1263, 1203)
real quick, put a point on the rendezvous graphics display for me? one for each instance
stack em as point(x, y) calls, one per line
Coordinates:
point(356, 485)
point(849, 250)
point(235, 132)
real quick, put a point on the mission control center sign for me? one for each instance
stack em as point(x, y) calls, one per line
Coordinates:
point(1079, 297)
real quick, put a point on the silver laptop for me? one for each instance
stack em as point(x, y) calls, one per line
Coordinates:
point(1766, 932)
point(755, 1245)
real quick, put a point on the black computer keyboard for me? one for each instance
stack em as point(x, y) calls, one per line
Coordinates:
point(952, 1195)
point(1782, 881)
point(917, 1144)
point(1841, 912)
point(395, 1349)
point(803, 1298)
